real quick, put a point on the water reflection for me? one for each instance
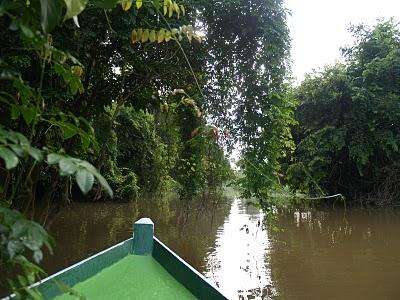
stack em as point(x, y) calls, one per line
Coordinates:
point(83, 229)
point(238, 263)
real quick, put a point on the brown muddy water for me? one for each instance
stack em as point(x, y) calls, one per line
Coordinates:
point(332, 254)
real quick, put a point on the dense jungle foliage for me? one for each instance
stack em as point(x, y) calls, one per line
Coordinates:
point(150, 94)
point(348, 133)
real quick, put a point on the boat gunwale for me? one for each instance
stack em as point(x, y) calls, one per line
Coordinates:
point(200, 286)
point(70, 268)
point(82, 270)
point(50, 282)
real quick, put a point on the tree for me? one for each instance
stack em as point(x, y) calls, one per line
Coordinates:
point(348, 134)
point(245, 86)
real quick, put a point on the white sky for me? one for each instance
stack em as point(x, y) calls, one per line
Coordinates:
point(319, 28)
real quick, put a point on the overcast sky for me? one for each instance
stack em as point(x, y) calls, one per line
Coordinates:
point(319, 28)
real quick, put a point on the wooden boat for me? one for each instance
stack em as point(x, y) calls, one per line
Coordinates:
point(141, 267)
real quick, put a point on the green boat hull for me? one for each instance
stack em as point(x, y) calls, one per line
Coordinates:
point(90, 275)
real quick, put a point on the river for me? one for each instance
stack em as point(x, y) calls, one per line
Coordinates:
point(331, 254)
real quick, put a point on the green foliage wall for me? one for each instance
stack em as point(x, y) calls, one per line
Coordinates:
point(247, 71)
point(81, 94)
point(349, 118)
point(140, 148)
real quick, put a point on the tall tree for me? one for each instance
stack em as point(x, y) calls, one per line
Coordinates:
point(246, 74)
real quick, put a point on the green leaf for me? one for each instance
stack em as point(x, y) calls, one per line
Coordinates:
point(98, 176)
point(28, 113)
point(168, 35)
point(145, 36)
point(126, 4)
point(74, 7)
point(139, 34)
point(26, 31)
point(15, 112)
point(139, 4)
point(49, 242)
point(161, 35)
point(9, 135)
point(84, 179)
point(35, 153)
point(170, 10)
point(152, 36)
point(13, 247)
point(17, 149)
point(10, 159)
point(103, 182)
point(54, 158)
point(176, 8)
point(68, 130)
point(22, 280)
point(86, 122)
point(85, 140)
point(74, 86)
point(19, 228)
point(22, 139)
point(32, 244)
point(50, 14)
point(175, 32)
point(37, 256)
point(88, 166)
point(67, 166)
point(157, 4)
point(76, 21)
point(134, 36)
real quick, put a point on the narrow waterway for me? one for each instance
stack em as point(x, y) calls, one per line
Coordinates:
point(332, 254)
